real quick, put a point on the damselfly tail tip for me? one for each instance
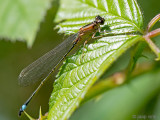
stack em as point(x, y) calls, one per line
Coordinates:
point(21, 110)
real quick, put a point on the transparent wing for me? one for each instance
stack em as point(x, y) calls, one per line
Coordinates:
point(40, 68)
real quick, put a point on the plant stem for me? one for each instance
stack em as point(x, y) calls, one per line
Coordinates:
point(153, 33)
point(105, 85)
point(113, 81)
point(153, 22)
point(135, 55)
point(154, 48)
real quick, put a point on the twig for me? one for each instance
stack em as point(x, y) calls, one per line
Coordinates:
point(153, 22)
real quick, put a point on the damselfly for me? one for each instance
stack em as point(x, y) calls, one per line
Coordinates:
point(43, 67)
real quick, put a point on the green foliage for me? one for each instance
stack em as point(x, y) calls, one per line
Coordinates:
point(20, 19)
point(81, 70)
point(79, 73)
point(121, 16)
point(126, 101)
point(109, 98)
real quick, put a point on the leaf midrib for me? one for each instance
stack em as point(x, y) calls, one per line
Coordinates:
point(86, 75)
point(96, 50)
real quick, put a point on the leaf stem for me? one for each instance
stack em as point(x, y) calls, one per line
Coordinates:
point(115, 80)
point(154, 48)
point(135, 55)
point(153, 33)
point(105, 85)
point(153, 22)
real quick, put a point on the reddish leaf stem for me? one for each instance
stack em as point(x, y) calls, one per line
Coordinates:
point(154, 48)
point(153, 22)
point(152, 34)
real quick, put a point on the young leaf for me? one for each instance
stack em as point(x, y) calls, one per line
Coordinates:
point(20, 19)
point(122, 16)
point(81, 70)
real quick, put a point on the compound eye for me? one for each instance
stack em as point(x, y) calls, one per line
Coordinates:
point(99, 19)
point(96, 18)
point(102, 21)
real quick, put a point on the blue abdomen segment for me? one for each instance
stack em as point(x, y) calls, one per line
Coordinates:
point(22, 109)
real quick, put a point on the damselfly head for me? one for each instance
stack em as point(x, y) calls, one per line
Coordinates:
point(99, 20)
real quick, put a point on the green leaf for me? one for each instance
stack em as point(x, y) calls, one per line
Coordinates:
point(126, 101)
point(81, 70)
point(20, 19)
point(122, 16)
point(156, 111)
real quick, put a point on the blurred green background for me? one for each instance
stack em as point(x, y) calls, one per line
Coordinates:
point(15, 56)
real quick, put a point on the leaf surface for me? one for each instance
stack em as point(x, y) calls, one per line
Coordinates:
point(122, 16)
point(20, 19)
point(127, 101)
point(78, 74)
point(81, 70)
